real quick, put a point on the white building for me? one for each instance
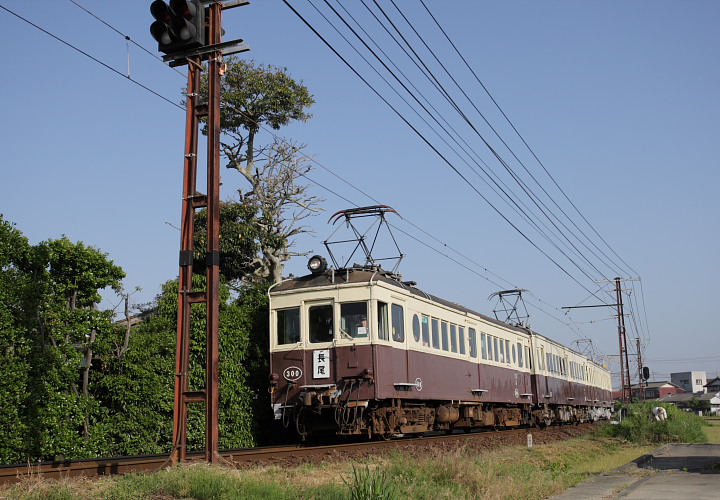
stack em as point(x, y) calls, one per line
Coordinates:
point(693, 382)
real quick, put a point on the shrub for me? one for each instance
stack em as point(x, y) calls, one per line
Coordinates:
point(638, 427)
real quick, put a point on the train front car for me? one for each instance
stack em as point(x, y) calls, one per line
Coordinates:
point(359, 352)
point(323, 351)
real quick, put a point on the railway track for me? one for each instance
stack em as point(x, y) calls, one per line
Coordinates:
point(280, 455)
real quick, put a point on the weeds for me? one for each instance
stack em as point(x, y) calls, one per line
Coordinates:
point(637, 426)
point(370, 485)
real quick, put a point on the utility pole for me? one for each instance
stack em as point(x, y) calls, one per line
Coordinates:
point(625, 391)
point(641, 379)
point(624, 363)
point(189, 33)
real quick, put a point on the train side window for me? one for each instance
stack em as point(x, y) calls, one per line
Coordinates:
point(520, 354)
point(507, 352)
point(288, 326)
point(398, 323)
point(514, 358)
point(483, 346)
point(444, 335)
point(353, 320)
point(425, 327)
point(490, 349)
point(461, 339)
point(472, 339)
point(495, 347)
point(321, 323)
point(528, 358)
point(416, 327)
point(435, 333)
point(453, 338)
point(383, 329)
point(502, 351)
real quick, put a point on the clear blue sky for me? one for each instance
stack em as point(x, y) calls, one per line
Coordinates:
point(619, 100)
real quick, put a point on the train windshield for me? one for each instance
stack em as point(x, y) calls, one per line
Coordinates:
point(353, 320)
point(288, 326)
point(321, 323)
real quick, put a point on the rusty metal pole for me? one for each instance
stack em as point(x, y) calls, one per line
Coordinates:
point(640, 370)
point(212, 401)
point(624, 362)
point(187, 231)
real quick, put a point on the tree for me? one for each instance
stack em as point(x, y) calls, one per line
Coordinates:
point(15, 348)
point(253, 96)
point(69, 276)
point(282, 204)
point(239, 236)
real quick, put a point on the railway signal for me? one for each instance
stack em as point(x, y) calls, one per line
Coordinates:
point(178, 26)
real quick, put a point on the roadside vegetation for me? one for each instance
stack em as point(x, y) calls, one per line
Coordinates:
point(637, 426)
point(508, 473)
point(515, 473)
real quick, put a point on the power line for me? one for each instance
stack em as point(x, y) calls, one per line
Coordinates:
point(90, 56)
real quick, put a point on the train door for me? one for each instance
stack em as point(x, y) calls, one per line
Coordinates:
point(391, 356)
point(320, 357)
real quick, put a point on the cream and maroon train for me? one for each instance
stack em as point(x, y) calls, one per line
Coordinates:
point(359, 352)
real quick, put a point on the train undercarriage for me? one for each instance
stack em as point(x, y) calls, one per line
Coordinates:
point(322, 410)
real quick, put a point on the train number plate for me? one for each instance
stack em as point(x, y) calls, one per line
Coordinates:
point(292, 373)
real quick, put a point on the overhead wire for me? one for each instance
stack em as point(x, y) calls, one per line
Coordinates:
point(417, 60)
point(181, 107)
point(126, 37)
point(547, 172)
point(431, 145)
point(90, 56)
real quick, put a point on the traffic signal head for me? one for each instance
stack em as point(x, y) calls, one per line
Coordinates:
point(179, 26)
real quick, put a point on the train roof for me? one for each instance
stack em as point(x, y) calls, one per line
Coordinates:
point(361, 276)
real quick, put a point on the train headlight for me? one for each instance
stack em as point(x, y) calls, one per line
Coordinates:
point(317, 264)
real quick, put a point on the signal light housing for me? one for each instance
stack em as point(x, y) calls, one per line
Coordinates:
point(178, 26)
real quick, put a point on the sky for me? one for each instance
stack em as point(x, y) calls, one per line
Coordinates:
point(617, 102)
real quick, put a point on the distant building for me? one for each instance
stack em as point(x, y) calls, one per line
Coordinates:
point(655, 390)
point(693, 382)
point(707, 403)
point(713, 386)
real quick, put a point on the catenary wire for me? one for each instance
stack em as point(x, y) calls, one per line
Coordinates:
point(523, 140)
point(181, 107)
point(90, 56)
point(433, 147)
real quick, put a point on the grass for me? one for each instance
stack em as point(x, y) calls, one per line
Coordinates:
point(461, 473)
point(712, 429)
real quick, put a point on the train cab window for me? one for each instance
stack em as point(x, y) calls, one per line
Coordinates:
point(353, 320)
point(288, 326)
point(453, 338)
point(435, 333)
point(483, 346)
point(472, 340)
point(321, 323)
point(398, 323)
point(461, 339)
point(425, 328)
point(444, 335)
point(416, 328)
point(519, 354)
point(383, 327)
